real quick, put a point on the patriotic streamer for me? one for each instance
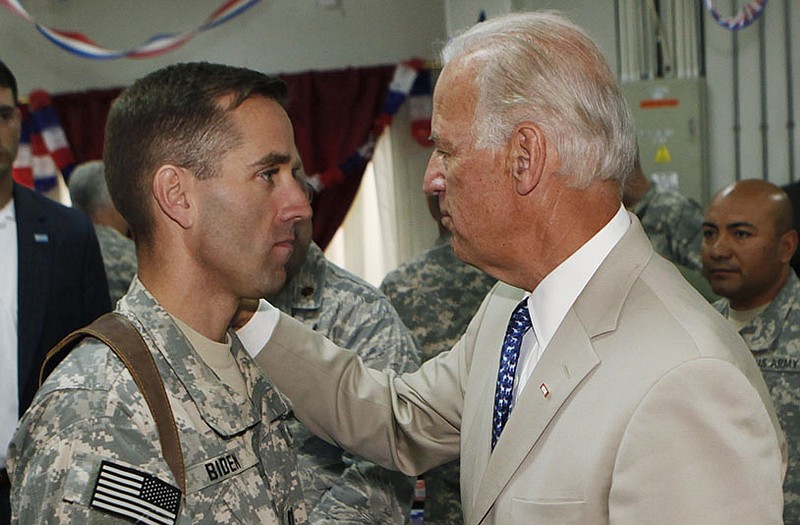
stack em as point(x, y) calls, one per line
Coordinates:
point(420, 107)
point(43, 148)
point(80, 45)
point(746, 16)
point(404, 77)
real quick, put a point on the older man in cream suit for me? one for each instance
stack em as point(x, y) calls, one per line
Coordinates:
point(631, 401)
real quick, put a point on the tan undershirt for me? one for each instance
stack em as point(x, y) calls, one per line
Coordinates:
point(217, 356)
point(739, 318)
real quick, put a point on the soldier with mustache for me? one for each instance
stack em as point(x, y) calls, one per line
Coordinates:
point(748, 243)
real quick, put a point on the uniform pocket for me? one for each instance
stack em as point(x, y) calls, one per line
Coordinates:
point(246, 500)
point(80, 481)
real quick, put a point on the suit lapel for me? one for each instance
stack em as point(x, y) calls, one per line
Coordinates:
point(34, 258)
point(476, 438)
point(568, 359)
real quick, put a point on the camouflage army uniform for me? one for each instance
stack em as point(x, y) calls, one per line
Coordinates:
point(774, 339)
point(240, 467)
point(119, 259)
point(338, 487)
point(674, 225)
point(436, 296)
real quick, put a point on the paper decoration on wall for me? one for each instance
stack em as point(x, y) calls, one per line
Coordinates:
point(420, 107)
point(79, 44)
point(43, 148)
point(748, 14)
point(405, 74)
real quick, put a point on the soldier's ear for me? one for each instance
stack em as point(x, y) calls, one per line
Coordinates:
point(172, 190)
point(788, 245)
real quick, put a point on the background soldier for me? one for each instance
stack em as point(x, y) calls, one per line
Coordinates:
point(436, 296)
point(89, 192)
point(748, 243)
point(339, 487)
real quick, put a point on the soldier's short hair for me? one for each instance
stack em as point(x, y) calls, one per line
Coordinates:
point(175, 116)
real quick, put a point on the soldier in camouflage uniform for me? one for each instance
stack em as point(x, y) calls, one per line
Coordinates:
point(88, 192)
point(748, 245)
point(200, 160)
point(339, 487)
point(91, 411)
point(436, 296)
point(119, 260)
point(672, 221)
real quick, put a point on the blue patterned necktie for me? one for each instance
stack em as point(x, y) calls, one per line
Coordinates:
point(519, 323)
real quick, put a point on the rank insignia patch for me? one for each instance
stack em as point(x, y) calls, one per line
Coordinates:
point(135, 495)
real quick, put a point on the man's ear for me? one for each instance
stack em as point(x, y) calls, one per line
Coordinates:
point(172, 189)
point(788, 245)
point(527, 156)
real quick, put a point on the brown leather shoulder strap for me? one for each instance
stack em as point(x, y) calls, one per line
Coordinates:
point(119, 334)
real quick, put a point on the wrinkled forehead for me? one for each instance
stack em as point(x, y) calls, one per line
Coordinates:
point(457, 80)
point(455, 96)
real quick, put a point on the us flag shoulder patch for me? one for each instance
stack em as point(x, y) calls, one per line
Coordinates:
point(135, 495)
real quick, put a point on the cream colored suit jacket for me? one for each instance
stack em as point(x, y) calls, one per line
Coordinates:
point(656, 412)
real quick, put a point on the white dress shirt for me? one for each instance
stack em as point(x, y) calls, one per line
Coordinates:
point(9, 395)
point(549, 303)
point(257, 331)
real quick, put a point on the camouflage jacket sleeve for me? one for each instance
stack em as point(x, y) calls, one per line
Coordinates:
point(119, 259)
point(673, 223)
point(366, 493)
point(69, 429)
point(342, 488)
point(377, 334)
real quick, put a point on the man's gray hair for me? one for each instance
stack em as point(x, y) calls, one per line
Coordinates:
point(542, 68)
point(87, 187)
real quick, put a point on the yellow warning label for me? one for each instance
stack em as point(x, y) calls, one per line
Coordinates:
point(662, 155)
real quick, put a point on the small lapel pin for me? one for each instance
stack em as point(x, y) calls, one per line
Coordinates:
point(41, 237)
point(544, 389)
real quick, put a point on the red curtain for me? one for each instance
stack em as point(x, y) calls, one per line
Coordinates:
point(83, 118)
point(332, 113)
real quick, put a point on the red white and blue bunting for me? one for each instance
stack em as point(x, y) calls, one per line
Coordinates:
point(79, 44)
point(420, 107)
point(44, 151)
point(748, 14)
point(409, 78)
point(43, 148)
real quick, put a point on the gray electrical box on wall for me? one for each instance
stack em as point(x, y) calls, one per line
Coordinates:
point(671, 126)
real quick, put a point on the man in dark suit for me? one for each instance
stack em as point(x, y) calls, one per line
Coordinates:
point(51, 279)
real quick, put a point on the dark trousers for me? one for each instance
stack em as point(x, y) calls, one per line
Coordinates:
point(5, 505)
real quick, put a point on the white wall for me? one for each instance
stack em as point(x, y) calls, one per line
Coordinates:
point(274, 36)
point(462, 14)
point(721, 63)
point(596, 17)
